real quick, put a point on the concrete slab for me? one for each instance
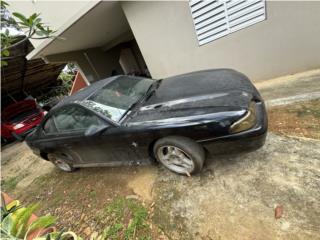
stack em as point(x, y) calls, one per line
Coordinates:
point(292, 85)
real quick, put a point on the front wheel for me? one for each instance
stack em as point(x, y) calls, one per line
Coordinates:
point(180, 155)
point(61, 161)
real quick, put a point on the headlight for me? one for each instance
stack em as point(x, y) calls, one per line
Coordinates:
point(247, 122)
point(19, 125)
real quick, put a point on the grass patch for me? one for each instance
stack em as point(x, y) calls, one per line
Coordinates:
point(10, 184)
point(127, 220)
point(93, 194)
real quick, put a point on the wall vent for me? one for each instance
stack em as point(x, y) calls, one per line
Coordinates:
point(215, 19)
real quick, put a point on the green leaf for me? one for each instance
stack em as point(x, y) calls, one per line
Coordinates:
point(39, 33)
point(42, 222)
point(40, 26)
point(3, 205)
point(5, 53)
point(4, 63)
point(20, 223)
point(37, 21)
point(33, 16)
point(21, 17)
point(4, 4)
point(18, 216)
point(23, 223)
point(7, 223)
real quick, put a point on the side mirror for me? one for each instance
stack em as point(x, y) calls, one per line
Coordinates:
point(94, 130)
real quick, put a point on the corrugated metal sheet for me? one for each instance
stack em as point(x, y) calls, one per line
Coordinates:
point(22, 77)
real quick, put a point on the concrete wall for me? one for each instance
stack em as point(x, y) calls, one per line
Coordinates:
point(98, 63)
point(95, 64)
point(287, 42)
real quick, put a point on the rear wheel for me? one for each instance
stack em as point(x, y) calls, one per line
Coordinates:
point(180, 155)
point(61, 161)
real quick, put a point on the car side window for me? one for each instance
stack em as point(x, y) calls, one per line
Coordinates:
point(74, 118)
point(49, 126)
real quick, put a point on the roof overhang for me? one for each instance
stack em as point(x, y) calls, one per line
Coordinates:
point(97, 25)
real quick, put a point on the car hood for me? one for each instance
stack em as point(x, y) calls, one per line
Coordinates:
point(201, 95)
point(202, 83)
point(232, 104)
point(17, 108)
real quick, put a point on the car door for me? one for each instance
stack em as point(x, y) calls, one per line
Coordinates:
point(65, 130)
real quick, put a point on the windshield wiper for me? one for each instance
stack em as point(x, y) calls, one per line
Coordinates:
point(147, 95)
point(152, 89)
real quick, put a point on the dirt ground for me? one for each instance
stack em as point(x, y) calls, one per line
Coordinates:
point(302, 120)
point(235, 196)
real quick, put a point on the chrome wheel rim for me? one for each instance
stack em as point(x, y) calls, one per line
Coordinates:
point(175, 159)
point(62, 165)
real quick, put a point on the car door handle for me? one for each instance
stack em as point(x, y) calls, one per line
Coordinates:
point(67, 145)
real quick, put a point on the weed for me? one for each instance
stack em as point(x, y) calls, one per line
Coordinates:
point(93, 194)
point(129, 220)
point(113, 231)
point(10, 184)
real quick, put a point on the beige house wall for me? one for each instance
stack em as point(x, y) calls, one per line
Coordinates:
point(94, 63)
point(56, 14)
point(287, 42)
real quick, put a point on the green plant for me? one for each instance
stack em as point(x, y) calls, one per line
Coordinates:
point(15, 224)
point(67, 81)
point(5, 211)
point(112, 231)
point(32, 27)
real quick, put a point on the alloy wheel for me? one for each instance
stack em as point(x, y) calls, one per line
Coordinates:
point(63, 165)
point(175, 159)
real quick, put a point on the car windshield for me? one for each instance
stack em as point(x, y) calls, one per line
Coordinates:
point(114, 99)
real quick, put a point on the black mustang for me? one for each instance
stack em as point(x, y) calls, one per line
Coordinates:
point(178, 121)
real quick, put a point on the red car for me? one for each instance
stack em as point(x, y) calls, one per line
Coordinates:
point(19, 119)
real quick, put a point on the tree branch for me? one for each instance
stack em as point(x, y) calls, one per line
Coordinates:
point(15, 44)
point(17, 56)
point(41, 37)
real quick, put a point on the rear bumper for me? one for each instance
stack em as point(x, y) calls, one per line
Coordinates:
point(243, 141)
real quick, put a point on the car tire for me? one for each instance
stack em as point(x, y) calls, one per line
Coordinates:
point(180, 154)
point(61, 161)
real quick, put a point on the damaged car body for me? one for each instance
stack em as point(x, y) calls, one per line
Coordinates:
point(178, 121)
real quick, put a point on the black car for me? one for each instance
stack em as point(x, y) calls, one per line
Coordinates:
point(178, 121)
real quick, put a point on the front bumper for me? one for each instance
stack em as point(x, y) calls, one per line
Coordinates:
point(21, 136)
point(249, 140)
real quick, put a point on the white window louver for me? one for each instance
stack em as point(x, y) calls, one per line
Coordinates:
point(215, 19)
